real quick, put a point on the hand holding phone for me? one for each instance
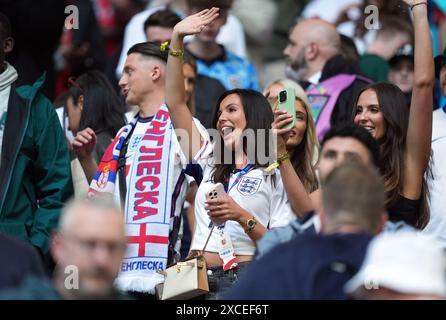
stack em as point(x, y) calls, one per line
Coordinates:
point(287, 100)
point(216, 191)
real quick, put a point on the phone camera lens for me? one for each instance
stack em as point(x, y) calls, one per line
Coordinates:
point(282, 96)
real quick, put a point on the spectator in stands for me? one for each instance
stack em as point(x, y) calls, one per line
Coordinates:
point(158, 26)
point(213, 59)
point(331, 82)
point(93, 104)
point(36, 38)
point(393, 35)
point(318, 266)
point(231, 36)
point(253, 201)
point(404, 134)
point(301, 144)
point(342, 143)
point(202, 91)
point(35, 178)
point(88, 250)
point(401, 73)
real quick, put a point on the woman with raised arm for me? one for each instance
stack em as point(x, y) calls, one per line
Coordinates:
point(404, 134)
point(255, 200)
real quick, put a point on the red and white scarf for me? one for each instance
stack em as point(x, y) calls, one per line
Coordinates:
point(147, 203)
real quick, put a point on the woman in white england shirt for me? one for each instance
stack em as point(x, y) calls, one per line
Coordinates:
point(256, 200)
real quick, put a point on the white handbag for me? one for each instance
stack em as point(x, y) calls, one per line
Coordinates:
point(186, 279)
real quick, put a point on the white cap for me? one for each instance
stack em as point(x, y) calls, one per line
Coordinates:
point(406, 262)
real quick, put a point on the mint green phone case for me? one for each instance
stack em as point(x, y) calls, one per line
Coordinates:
point(287, 100)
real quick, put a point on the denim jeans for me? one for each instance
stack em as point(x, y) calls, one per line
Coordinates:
point(220, 281)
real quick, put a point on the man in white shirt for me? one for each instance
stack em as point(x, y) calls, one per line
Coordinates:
point(154, 169)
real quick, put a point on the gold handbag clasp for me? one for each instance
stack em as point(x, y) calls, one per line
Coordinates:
point(182, 264)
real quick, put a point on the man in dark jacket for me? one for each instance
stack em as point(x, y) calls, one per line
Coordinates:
point(318, 266)
point(35, 177)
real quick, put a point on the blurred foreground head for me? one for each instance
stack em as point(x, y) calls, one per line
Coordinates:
point(88, 249)
point(353, 199)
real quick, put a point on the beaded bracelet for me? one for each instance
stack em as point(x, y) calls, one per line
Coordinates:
point(176, 53)
point(278, 162)
point(172, 52)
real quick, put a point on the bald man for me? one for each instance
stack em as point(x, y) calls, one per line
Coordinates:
point(88, 250)
point(311, 44)
point(313, 57)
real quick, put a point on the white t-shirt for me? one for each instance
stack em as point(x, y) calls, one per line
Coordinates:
point(255, 192)
point(437, 223)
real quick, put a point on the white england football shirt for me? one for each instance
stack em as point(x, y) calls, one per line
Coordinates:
point(257, 192)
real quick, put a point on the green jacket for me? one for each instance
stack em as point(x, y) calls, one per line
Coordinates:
point(35, 175)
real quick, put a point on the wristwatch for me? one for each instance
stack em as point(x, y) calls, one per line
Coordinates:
point(250, 224)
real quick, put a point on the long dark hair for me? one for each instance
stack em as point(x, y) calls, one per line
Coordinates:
point(258, 115)
point(394, 108)
point(102, 109)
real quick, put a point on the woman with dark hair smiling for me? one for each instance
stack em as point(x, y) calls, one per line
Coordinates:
point(404, 134)
point(255, 200)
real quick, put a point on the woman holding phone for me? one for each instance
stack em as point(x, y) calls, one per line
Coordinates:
point(254, 199)
point(301, 144)
point(404, 134)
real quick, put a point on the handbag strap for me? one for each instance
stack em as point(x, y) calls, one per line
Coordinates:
point(209, 237)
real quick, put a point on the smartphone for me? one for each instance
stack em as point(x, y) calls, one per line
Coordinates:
point(287, 100)
point(214, 192)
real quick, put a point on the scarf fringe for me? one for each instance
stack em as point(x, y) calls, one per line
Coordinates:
point(140, 283)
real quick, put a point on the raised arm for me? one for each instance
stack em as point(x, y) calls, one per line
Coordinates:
point(419, 134)
point(175, 91)
point(300, 200)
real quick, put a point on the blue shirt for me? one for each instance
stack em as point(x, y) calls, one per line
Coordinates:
point(231, 70)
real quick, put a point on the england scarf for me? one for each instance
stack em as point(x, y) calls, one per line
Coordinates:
point(147, 203)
